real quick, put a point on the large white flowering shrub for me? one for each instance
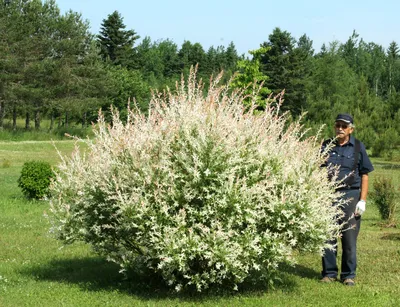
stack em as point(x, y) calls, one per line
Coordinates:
point(199, 191)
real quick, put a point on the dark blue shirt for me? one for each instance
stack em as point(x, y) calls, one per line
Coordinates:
point(344, 157)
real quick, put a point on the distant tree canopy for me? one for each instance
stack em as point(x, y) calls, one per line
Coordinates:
point(52, 67)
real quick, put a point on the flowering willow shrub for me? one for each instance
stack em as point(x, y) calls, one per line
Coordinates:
point(199, 191)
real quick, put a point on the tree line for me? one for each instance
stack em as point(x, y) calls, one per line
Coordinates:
point(52, 67)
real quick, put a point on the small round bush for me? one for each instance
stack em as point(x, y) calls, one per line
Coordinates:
point(201, 191)
point(35, 179)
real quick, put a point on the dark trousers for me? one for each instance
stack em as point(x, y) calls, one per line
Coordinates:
point(349, 241)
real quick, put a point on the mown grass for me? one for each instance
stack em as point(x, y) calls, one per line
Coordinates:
point(36, 271)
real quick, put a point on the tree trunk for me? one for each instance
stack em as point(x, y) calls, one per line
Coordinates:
point(66, 119)
point(14, 118)
point(37, 119)
point(52, 121)
point(59, 121)
point(2, 113)
point(27, 121)
point(84, 120)
point(390, 79)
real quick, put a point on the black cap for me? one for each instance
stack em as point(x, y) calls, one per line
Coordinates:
point(344, 117)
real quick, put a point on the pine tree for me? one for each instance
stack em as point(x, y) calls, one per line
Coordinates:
point(393, 65)
point(284, 64)
point(348, 51)
point(44, 61)
point(116, 43)
point(191, 55)
point(377, 67)
point(330, 87)
point(231, 57)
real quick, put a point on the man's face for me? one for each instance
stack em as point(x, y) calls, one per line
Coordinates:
point(342, 129)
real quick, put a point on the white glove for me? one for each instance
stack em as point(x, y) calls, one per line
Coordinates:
point(360, 208)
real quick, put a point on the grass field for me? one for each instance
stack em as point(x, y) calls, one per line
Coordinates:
point(42, 134)
point(36, 271)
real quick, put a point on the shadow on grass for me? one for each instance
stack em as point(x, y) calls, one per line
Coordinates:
point(95, 274)
point(301, 271)
point(391, 236)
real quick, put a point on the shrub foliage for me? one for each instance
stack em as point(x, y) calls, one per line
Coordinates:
point(384, 196)
point(35, 179)
point(200, 191)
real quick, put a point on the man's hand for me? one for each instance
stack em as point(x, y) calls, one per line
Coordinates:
point(360, 207)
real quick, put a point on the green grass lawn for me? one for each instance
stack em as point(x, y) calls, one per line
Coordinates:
point(42, 134)
point(36, 271)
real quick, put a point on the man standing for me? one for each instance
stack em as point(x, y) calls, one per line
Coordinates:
point(350, 156)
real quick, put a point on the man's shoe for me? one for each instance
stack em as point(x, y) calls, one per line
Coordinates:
point(328, 279)
point(349, 282)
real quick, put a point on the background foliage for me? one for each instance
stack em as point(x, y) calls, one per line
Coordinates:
point(52, 67)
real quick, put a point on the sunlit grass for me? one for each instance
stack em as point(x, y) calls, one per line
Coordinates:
point(36, 271)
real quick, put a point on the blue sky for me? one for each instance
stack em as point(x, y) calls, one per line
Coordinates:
point(247, 23)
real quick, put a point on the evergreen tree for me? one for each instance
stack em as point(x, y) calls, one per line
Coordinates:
point(331, 84)
point(232, 57)
point(75, 73)
point(348, 51)
point(168, 53)
point(323, 51)
point(305, 46)
point(377, 67)
point(28, 36)
point(221, 58)
point(211, 62)
point(116, 43)
point(150, 63)
point(284, 64)
point(145, 59)
point(5, 60)
point(393, 67)
point(302, 65)
point(44, 60)
point(192, 55)
point(276, 61)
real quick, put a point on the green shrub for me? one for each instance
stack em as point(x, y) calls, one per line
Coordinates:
point(384, 196)
point(199, 191)
point(35, 179)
